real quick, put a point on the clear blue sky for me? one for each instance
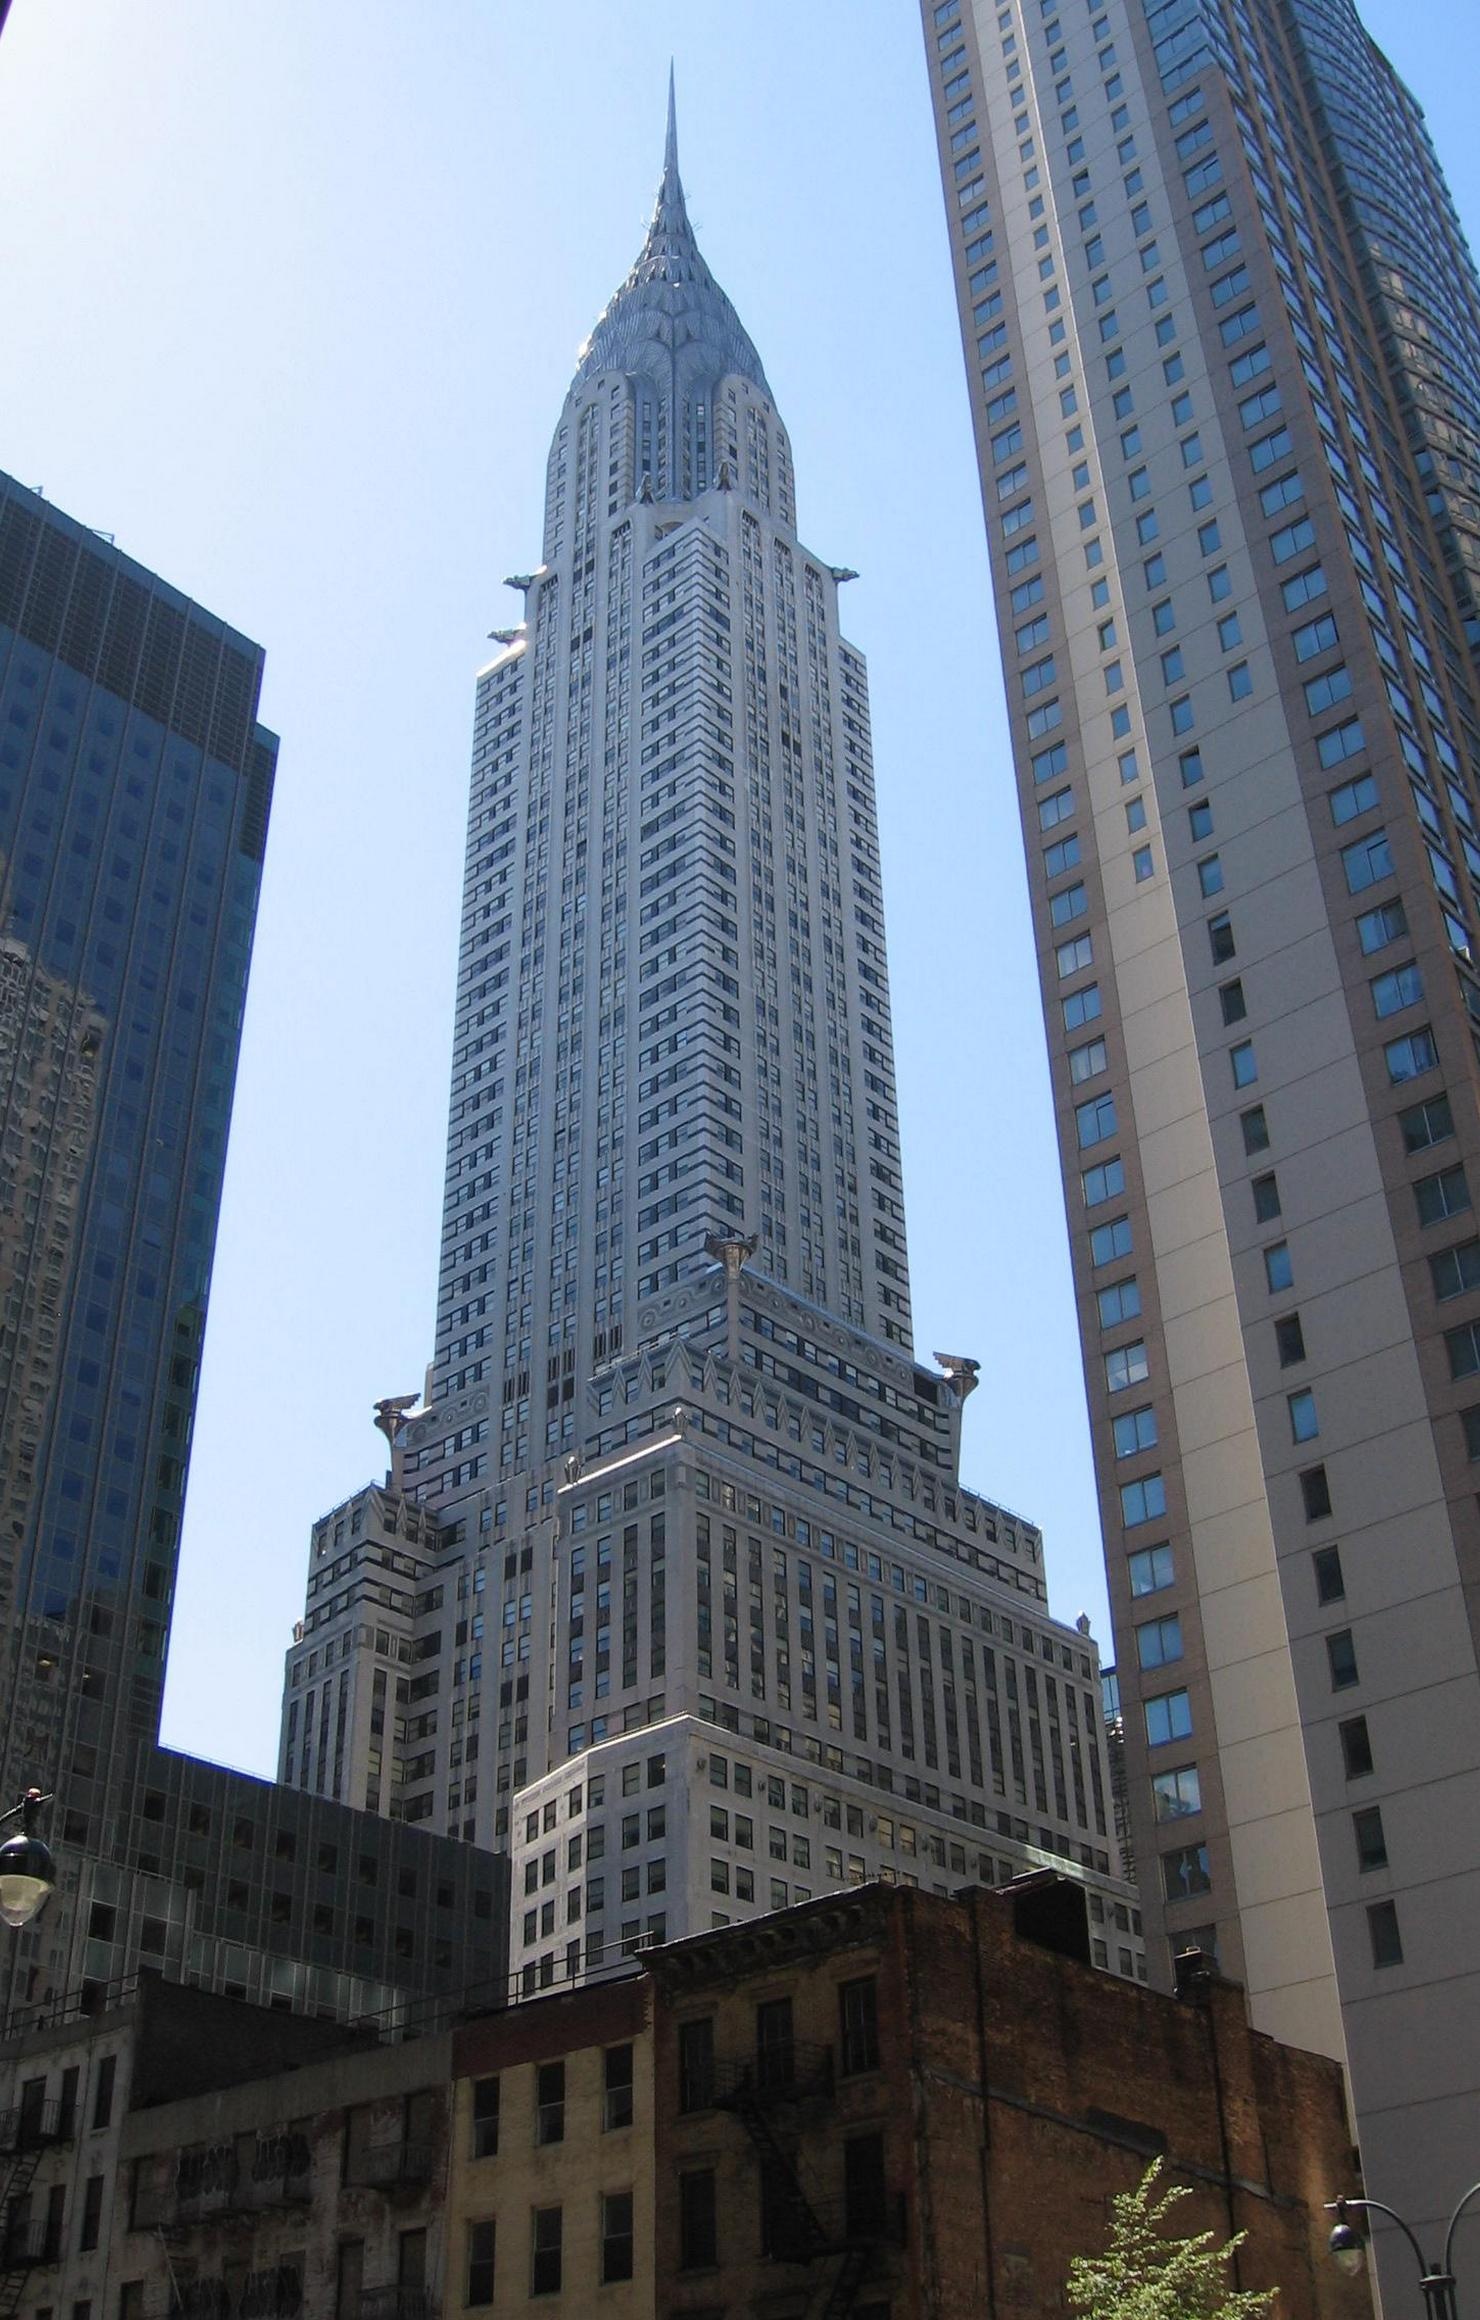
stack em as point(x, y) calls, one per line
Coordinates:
point(291, 295)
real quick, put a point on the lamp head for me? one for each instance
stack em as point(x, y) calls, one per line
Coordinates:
point(1347, 2244)
point(28, 1873)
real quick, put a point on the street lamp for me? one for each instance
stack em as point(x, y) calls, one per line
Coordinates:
point(1437, 2280)
point(28, 1874)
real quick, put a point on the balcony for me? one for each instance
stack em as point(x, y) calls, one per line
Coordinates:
point(802, 2230)
point(390, 2167)
point(30, 2241)
point(32, 2126)
point(790, 2071)
point(396, 2304)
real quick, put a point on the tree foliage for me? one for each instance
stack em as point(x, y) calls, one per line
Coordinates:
point(1146, 2273)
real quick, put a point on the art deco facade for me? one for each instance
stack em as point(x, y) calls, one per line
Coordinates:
point(1221, 332)
point(680, 1488)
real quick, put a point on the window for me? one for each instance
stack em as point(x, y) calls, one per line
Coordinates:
point(1463, 1348)
point(1200, 822)
point(774, 2049)
point(1303, 588)
point(1185, 1872)
point(102, 2109)
point(1143, 864)
point(1210, 875)
point(1240, 682)
point(1304, 1423)
point(1383, 1933)
point(1069, 903)
point(1134, 1431)
point(1177, 1793)
point(1342, 741)
point(1082, 1006)
point(1316, 636)
point(1266, 1194)
point(1095, 1120)
point(1126, 1365)
point(1220, 938)
point(1109, 1241)
point(1430, 1122)
point(616, 2235)
point(1159, 1641)
point(1243, 1064)
point(480, 2245)
point(1168, 1717)
point(858, 2021)
point(1371, 1843)
point(1377, 928)
point(544, 2251)
point(1341, 1655)
point(1289, 1339)
point(1444, 1194)
point(1456, 1271)
point(1150, 1569)
point(1255, 1129)
point(484, 2143)
point(549, 2102)
point(1279, 1272)
point(1330, 1581)
point(1120, 1301)
point(1107, 1182)
point(1143, 1501)
point(1412, 1055)
point(1315, 1492)
point(617, 2088)
point(696, 2064)
point(1073, 957)
point(698, 2237)
point(865, 2196)
point(92, 2212)
point(1356, 1747)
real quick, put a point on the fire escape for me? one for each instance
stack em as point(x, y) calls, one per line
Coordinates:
point(845, 2236)
point(26, 2134)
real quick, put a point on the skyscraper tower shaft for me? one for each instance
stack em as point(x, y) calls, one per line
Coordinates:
point(680, 1474)
point(1221, 332)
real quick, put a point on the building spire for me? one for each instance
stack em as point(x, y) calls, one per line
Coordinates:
point(671, 300)
point(670, 224)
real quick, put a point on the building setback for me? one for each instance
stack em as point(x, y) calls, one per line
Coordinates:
point(135, 783)
point(886, 2104)
point(679, 1479)
point(1221, 331)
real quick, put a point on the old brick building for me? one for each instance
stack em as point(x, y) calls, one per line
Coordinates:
point(890, 2105)
point(885, 2105)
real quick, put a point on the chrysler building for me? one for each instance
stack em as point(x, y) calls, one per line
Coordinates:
point(672, 1591)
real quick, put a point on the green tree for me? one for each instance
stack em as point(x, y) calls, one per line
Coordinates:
point(1148, 2274)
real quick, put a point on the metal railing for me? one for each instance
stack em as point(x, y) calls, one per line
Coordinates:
point(396, 2304)
point(31, 2126)
point(785, 2072)
point(30, 2240)
point(385, 2166)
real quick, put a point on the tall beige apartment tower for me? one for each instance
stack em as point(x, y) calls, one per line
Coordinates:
point(1223, 341)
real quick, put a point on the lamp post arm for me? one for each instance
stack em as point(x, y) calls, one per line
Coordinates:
point(1453, 2221)
point(1376, 2207)
point(34, 1800)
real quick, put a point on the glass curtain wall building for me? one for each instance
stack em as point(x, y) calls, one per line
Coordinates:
point(679, 1473)
point(1221, 330)
point(135, 784)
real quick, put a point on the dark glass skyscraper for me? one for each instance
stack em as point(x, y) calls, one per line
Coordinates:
point(1223, 339)
point(134, 793)
point(135, 784)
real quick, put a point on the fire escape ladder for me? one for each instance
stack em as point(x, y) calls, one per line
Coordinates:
point(801, 2230)
point(18, 2183)
point(842, 2295)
